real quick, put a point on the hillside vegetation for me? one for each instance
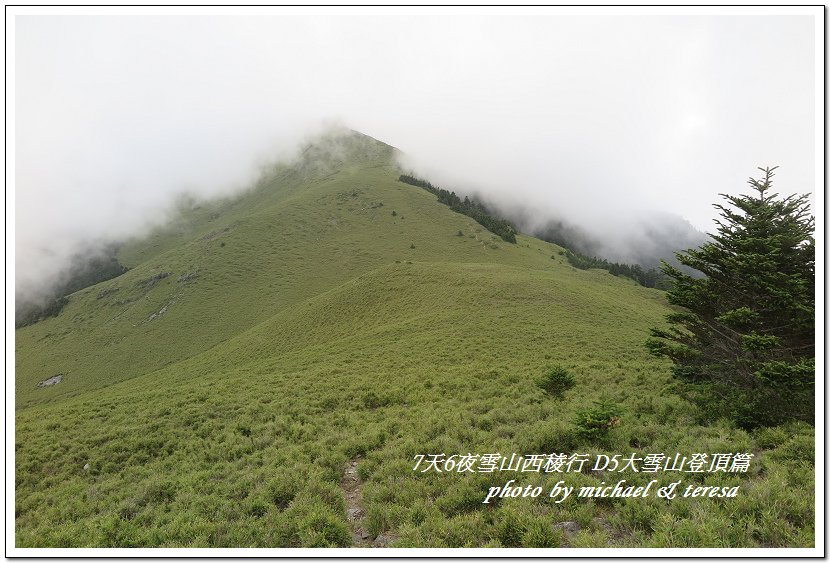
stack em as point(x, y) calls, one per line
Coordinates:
point(215, 394)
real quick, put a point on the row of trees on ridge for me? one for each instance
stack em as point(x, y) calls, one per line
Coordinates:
point(468, 207)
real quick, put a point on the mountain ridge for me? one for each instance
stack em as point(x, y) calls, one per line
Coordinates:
point(331, 215)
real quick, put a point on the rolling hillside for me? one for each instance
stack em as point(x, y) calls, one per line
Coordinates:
point(331, 317)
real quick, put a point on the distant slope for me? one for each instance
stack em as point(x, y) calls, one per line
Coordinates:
point(643, 239)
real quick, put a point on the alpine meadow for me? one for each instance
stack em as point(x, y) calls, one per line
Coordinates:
point(267, 370)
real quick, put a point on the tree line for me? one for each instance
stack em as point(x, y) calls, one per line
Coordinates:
point(469, 207)
point(84, 272)
point(651, 277)
point(496, 225)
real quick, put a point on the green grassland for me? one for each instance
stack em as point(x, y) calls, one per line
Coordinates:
point(303, 325)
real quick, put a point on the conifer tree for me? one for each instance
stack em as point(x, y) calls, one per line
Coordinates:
point(743, 338)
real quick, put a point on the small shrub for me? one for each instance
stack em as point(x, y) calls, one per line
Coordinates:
point(317, 490)
point(355, 448)
point(595, 422)
point(394, 213)
point(377, 520)
point(550, 436)
point(539, 533)
point(284, 531)
point(129, 509)
point(459, 233)
point(556, 381)
point(639, 514)
point(365, 469)
point(771, 437)
point(282, 489)
point(509, 529)
point(115, 532)
point(159, 492)
point(412, 245)
point(321, 528)
point(257, 507)
point(461, 498)
point(371, 400)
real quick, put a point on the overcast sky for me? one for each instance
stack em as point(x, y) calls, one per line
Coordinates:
point(584, 115)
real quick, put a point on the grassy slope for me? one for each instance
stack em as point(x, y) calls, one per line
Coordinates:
point(316, 334)
point(283, 245)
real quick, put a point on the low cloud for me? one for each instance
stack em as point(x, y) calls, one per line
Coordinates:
point(597, 120)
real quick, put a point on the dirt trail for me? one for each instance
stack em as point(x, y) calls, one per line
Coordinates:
point(354, 504)
point(355, 513)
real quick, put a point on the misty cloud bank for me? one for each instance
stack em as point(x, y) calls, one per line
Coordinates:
point(600, 121)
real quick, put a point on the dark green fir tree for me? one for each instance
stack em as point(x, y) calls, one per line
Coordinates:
point(743, 336)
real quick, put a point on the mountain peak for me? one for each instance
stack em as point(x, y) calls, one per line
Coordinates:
point(339, 147)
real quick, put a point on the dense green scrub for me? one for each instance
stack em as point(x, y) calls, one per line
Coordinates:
point(303, 325)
